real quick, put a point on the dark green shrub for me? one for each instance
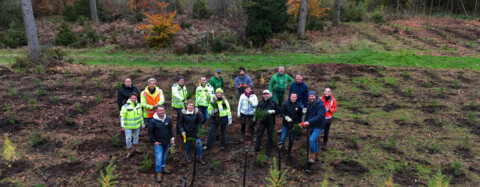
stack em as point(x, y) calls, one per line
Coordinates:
point(82, 8)
point(185, 25)
point(218, 45)
point(65, 36)
point(200, 10)
point(265, 17)
point(14, 36)
point(314, 23)
point(378, 15)
point(353, 11)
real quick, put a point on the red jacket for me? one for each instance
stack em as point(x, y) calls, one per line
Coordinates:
point(330, 104)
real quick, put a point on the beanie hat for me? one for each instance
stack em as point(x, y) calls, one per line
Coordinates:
point(219, 90)
point(312, 93)
point(151, 79)
point(180, 77)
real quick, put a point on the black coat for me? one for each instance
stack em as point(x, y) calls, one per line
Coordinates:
point(268, 105)
point(124, 94)
point(316, 115)
point(189, 122)
point(159, 131)
point(292, 110)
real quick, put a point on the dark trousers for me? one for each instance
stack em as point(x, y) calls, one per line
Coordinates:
point(179, 111)
point(327, 129)
point(243, 121)
point(205, 115)
point(261, 129)
point(212, 133)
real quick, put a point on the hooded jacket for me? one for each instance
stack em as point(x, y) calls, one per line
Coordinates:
point(189, 122)
point(160, 131)
point(330, 104)
point(292, 110)
point(246, 108)
point(279, 83)
point(241, 81)
point(316, 114)
point(124, 94)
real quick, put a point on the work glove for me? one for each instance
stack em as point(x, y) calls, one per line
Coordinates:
point(143, 126)
point(304, 110)
point(271, 111)
point(288, 119)
point(229, 119)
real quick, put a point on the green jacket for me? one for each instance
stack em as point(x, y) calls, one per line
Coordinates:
point(131, 115)
point(279, 83)
point(216, 83)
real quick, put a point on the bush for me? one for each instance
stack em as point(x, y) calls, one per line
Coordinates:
point(160, 27)
point(353, 11)
point(82, 8)
point(200, 10)
point(378, 15)
point(14, 36)
point(314, 23)
point(65, 36)
point(265, 17)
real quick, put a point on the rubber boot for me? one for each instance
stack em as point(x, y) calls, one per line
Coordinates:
point(290, 146)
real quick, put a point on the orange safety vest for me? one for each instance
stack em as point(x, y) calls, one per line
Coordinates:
point(151, 101)
point(332, 105)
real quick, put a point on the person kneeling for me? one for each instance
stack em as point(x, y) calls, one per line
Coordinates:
point(190, 120)
point(161, 134)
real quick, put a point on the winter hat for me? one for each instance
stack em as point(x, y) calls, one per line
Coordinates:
point(219, 90)
point(151, 79)
point(180, 77)
point(241, 68)
point(312, 93)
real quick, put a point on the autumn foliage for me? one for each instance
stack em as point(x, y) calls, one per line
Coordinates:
point(314, 9)
point(160, 27)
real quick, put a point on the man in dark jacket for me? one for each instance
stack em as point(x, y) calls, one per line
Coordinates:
point(267, 123)
point(125, 91)
point(301, 89)
point(291, 113)
point(315, 120)
point(190, 120)
point(161, 135)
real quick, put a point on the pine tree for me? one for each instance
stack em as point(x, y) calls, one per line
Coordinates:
point(265, 17)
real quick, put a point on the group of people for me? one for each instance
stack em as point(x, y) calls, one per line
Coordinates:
point(303, 108)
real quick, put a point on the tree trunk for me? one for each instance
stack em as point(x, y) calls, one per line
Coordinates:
point(93, 11)
point(475, 8)
point(336, 14)
point(31, 30)
point(302, 18)
point(398, 6)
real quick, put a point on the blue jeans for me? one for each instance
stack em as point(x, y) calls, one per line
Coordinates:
point(205, 114)
point(314, 133)
point(129, 134)
point(212, 133)
point(285, 131)
point(199, 147)
point(161, 152)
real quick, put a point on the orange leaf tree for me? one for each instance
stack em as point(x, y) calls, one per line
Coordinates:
point(160, 27)
point(314, 8)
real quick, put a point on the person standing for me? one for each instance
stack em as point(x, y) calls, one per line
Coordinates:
point(315, 121)
point(301, 89)
point(291, 113)
point(267, 123)
point(190, 122)
point(278, 84)
point(220, 109)
point(217, 81)
point(124, 93)
point(330, 108)
point(246, 109)
point(179, 96)
point(242, 81)
point(150, 97)
point(160, 132)
point(203, 97)
point(130, 121)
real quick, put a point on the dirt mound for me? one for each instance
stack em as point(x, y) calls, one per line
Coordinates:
point(350, 166)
